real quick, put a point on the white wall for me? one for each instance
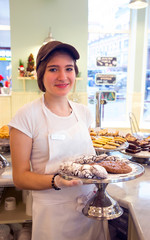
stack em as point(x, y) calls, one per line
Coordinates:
point(30, 22)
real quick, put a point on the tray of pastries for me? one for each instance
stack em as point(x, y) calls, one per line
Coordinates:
point(4, 139)
point(100, 169)
point(137, 148)
point(105, 141)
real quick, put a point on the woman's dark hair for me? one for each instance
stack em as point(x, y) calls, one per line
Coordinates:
point(43, 64)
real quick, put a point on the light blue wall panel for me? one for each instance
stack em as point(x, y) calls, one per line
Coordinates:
point(30, 22)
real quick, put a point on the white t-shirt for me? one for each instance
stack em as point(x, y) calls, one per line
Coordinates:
point(31, 120)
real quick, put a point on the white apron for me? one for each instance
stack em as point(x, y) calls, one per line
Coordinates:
point(55, 213)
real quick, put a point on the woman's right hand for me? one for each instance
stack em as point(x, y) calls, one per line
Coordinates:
point(61, 182)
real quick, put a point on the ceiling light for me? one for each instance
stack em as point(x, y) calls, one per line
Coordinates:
point(137, 4)
point(49, 38)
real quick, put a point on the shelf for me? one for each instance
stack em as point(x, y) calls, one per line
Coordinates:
point(24, 79)
point(27, 78)
point(75, 84)
point(15, 216)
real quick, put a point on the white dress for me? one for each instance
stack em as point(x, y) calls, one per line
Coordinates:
point(55, 213)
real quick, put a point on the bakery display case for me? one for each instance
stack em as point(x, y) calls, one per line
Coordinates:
point(103, 205)
point(18, 215)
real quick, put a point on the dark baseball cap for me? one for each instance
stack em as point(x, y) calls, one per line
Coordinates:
point(48, 48)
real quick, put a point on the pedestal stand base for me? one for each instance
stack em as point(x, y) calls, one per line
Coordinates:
point(102, 206)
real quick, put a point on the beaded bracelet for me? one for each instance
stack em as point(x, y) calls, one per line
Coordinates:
point(53, 183)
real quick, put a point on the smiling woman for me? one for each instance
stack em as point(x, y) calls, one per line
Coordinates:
point(44, 133)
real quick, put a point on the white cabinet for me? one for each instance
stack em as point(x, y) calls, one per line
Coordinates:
point(13, 216)
point(5, 109)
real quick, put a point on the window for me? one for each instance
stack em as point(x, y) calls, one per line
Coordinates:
point(109, 38)
point(5, 50)
point(146, 108)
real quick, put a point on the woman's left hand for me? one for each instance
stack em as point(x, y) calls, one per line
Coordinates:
point(61, 182)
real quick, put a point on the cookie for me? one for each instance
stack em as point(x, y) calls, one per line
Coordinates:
point(96, 145)
point(116, 167)
point(83, 170)
point(107, 146)
point(99, 171)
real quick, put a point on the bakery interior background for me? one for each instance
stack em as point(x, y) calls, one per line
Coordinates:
point(100, 29)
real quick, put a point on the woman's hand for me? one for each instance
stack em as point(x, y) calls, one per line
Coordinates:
point(61, 182)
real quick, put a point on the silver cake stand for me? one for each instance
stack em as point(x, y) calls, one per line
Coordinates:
point(102, 206)
point(142, 157)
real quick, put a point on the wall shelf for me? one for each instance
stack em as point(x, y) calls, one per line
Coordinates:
point(24, 79)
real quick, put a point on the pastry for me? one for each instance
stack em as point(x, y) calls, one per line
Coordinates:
point(130, 138)
point(99, 171)
point(147, 139)
point(107, 146)
point(145, 149)
point(83, 159)
point(4, 132)
point(93, 134)
point(113, 143)
point(93, 138)
point(96, 145)
point(133, 146)
point(116, 167)
point(82, 170)
point(133, 151)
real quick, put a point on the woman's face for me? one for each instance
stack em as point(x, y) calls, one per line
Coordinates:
point(59, 75)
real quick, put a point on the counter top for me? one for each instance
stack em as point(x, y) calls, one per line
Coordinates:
point(6, 174)
point(133, 195)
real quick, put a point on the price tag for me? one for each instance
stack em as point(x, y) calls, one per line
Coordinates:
point(108, 96)
point(106, 61)
point(105, 79)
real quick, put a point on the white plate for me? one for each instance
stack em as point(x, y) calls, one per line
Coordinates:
point(137, 170)
point(103, 150)
point(142, 154)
